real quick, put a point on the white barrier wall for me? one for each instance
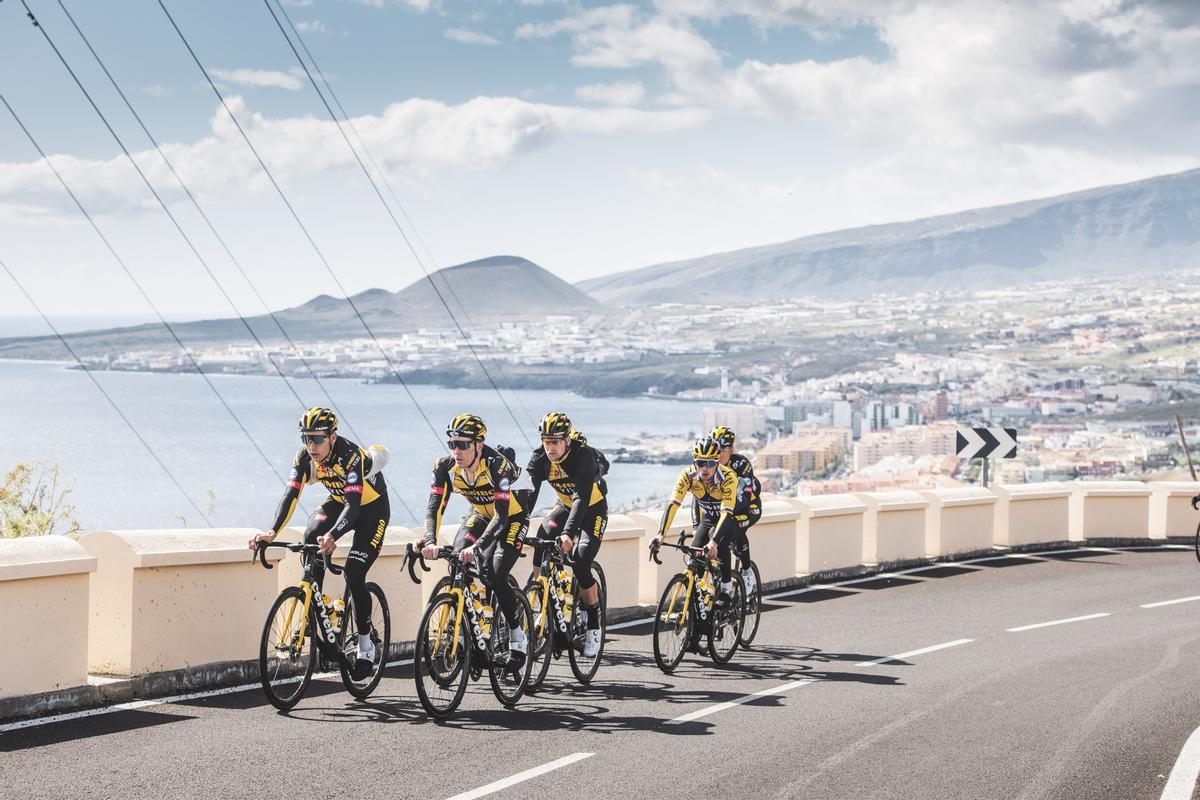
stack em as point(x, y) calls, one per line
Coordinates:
point(894, 526)
point(1110, 510)
point(163, 600)
point(44, 596)
point(960, 520)
point(1031, 513)
point(829, 534)
point(652, 578)
point(773, 541)
point(1171, 512)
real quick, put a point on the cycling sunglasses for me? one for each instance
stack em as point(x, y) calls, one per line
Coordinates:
point(553, 439)
point(705, 462)
point(453, 445)
point(313, 438)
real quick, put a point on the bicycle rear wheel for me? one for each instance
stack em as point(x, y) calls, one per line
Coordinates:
point(381, 637)
point(726, 626)
point(508, 672)
point(673, 624)
point(285, 660)
point(583, 667)
point(540, 644)
point(753, 608)
point(441, 658)
point(1198, 541)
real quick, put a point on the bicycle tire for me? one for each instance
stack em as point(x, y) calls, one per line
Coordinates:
point(509, 690)
point(274, 676)
point(380, 616)
point(726, 625)
point(1198, 541)
point(444, 675)
point(541, 645)
point(672, 606)
point(585, 668)
point(753, 609)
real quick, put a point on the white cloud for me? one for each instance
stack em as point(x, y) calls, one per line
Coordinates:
point(464, 36)
point(417, 5)
point(414, 138)
point(261, 78)
point(622, 93)
point(312, 26)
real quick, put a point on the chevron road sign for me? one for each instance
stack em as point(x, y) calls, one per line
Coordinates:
point(987, 442)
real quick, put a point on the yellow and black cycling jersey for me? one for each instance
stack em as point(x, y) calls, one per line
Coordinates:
point(344, 474)
point(715, 497)
point(577, 478)
point(489, 493)
point(749, 489)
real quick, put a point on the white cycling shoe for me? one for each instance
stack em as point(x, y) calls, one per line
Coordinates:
point(748, 580)
point(517, 641)
point(591, 645)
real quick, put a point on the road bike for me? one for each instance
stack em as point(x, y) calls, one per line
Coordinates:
point(689, 610)
point(460, 636)
point(753, 601)
point(303, 615)
point(553, 597)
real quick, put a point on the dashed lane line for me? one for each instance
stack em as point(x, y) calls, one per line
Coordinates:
point(521, 777)
point(1057, 622)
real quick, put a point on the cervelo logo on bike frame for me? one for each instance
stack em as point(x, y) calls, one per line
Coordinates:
point(558, 611)
point(325, 623)
point(480, 637)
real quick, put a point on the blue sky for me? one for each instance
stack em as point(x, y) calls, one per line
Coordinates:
point(591, 137)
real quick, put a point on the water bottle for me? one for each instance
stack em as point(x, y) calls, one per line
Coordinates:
point(485, 621)
point(336, 614)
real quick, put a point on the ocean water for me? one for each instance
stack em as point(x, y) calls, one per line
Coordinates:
point(54, 413)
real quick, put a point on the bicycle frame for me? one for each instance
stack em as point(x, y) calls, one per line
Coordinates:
point(458, 574)
point(696, 564)
point(327, 638)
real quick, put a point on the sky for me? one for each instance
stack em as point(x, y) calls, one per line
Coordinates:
point(587, 137)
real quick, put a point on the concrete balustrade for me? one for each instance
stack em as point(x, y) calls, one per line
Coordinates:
point(1171, 512)
point(44, 595)
point(653, 578)
point(893, 527)
point(960, 520)
point(621, 555)
point(773, 541)
point(1031, 513)
point(829, 533)
point(1110, 510)
point(169, 599)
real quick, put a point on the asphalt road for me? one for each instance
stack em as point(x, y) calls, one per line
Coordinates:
point(1099, 707)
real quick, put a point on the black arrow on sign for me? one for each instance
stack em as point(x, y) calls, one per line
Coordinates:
point(989, 442)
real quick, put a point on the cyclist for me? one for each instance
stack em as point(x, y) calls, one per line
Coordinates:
point(575, 471)
point(748, 508)
point(497, 522)
point(357, 502)
point(714, 488)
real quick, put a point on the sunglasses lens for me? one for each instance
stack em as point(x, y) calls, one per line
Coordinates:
point(704, 462)
point(312, 439)
point(453, 445)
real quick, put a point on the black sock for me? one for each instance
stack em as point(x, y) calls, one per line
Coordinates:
point(593, 617)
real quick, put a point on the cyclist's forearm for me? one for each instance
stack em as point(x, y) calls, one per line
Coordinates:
point(433, 513)
point(667, 518)
point(287, 507)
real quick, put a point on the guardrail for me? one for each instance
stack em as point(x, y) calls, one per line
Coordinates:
point(133, 604)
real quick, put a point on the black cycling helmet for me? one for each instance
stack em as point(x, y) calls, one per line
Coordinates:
point(706, 449)
point(319, 419)
point(555, 423)
point(467, 425)
point(723, 434)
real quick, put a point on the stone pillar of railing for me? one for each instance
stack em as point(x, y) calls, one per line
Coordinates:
point(165, 600)
point(44, 596)
point(773, 541)
point(894, 526)
point(1171, 512)
point(1031, 513)
point(960, 521)
point(829, 533)
point(1110, 510)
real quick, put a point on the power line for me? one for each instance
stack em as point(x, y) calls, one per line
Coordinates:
point(396, 199)
point(212, 228)
point(133, 429)
point(300, 223)
point(396, 222)
point(138, 285)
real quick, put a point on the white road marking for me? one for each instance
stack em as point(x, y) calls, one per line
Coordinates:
point(1171, 602)
point(1057, 622)
point(910, 653)
point(520, 777)
point(704, 712)
point(1182, 781)
point(179, 698)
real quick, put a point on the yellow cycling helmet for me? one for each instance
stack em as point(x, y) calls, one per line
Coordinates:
point(556, 423)
point(706, 449)
point(318, 419)
point(467, 425)
point(723, 434)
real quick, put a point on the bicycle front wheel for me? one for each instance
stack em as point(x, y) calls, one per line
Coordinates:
point(672, 624)
point(540, 644)
point(441, 658)
point(285, 658)
point(726, 625)
point(380, 631)
point(753, 608)
point(1198, 542)
point(509, 671)
point(584, 667)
